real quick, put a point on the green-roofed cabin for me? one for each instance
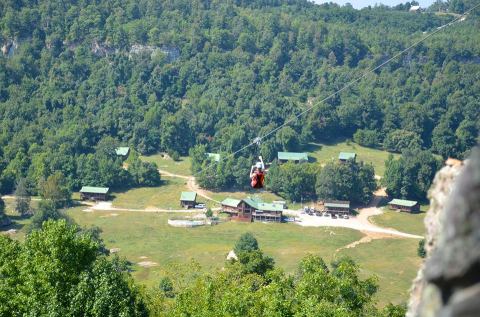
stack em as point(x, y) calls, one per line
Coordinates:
point(94, 193)
point(296, 157)
point(122, 151)
point(404, 205)
point(337, 206)
point(188, 199)
point(214, 156)
point(345, 156)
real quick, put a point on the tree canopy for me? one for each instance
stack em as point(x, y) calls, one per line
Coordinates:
point(79, 78)
point(60, 271)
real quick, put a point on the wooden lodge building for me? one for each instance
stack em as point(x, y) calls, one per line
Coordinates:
point(94, 193)
point(343, 157)
point(251, 209)
point(337, 207)
point(404, 205)
point(284, 157)
point(188, 199)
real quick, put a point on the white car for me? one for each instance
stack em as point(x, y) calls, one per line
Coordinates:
point(345, 217)
point(199, 206)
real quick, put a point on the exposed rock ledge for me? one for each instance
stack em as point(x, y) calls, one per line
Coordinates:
point(448, 284)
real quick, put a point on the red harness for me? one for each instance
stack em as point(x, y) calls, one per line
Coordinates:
point(258, 179)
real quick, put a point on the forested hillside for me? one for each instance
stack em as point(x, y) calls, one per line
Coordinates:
point(80, 77)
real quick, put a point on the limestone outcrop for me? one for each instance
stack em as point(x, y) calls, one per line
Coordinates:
point(448, 283)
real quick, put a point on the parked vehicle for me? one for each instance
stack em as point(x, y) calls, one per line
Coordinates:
point(326, 214)
point(346, 217)
point(334, 217)
point(200, 206)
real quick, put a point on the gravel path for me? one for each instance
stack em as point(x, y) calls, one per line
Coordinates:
point(191, 184)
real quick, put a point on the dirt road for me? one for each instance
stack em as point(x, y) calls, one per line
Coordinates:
point(359, 222)
point(191, 184)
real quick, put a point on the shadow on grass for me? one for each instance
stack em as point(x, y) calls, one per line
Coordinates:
point(13, 225)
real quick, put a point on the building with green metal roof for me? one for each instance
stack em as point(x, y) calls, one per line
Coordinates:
point(188, 199)
point(345, 156)
point(213, 156)
point(252, 209)
point(404, 205)
point(231, 202)
point(296, 157)
point(122, 151)
point(94, 193)
point(335, 207)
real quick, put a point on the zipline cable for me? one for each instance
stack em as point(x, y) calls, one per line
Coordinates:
point(258, 139)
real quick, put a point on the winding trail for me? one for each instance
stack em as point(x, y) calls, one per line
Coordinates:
point(191, 184)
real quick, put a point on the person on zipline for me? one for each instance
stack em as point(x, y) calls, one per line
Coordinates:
point(257, 174)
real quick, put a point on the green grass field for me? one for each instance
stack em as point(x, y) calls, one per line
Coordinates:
point(182, 167)
point(18, 223)
point(402, 221)
point(147, 237)
point(393, 261)
point(148, 234)
point(165, 196)
point(324, 152)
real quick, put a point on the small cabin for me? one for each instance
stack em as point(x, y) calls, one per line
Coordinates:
point(404, 205)
point(122, 151)
point(188, 199)
point(337, 207)
point(213, 156)
point(345, 156)
point(94, 193)
point(415, 9)
point(296, 157)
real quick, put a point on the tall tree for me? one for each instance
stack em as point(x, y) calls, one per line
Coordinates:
point(22, 197)
point(55, 189)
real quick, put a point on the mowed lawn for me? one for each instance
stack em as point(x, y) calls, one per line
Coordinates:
point(181, 167)
point(18, 223)
point(402, 221)
point(165, 196)
point(324, 152)
point(393, 261)
point(147, 237)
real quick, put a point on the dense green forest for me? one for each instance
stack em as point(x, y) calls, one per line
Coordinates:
point(79, 77)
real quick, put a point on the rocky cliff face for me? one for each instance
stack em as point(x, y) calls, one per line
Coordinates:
point(448, 284)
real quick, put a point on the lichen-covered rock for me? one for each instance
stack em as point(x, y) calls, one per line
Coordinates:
point(448, 284)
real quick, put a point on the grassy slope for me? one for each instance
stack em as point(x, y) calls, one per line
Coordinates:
point(165, 196)
point(147, 234)
point(393, 261)
point(182, 167)
point(19, 223)
point(323, 152)
point(410, 223)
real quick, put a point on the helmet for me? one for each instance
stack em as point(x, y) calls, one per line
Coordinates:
point(258, 165)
